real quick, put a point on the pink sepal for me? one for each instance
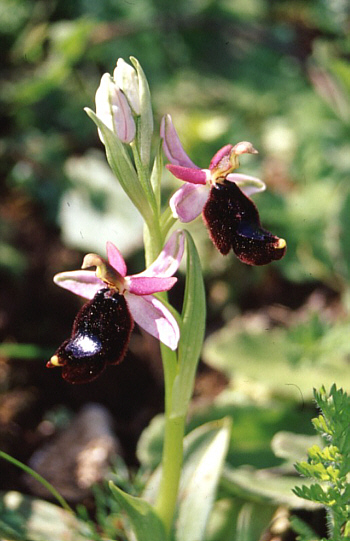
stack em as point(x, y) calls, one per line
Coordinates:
point(172, 146)
point(246, 183)
point(116, 259)
point(219, 155)
point(195, 176)
point(187, 203)
point(81, 282)
point(146, 285)
point(151, 315)
point(169, 258)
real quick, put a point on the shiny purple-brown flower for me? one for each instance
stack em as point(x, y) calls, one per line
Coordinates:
point(223, 199)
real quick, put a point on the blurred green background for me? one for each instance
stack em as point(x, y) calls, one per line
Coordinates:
point(275, 73)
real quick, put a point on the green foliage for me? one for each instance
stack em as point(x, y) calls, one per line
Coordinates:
point(205, 450)
point(234, 519)
point(308, 352)
point(193, 317)
point(303, 530)
point(24, 518)
point(204, 458)
point(39, 478)
point(144, 522)
point(330, 466)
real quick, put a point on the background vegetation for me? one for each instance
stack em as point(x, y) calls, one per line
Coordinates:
point(275, 73)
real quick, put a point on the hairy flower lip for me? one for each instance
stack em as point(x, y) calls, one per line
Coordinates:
point(233, 222)
point(228, 224)
point(100, 337)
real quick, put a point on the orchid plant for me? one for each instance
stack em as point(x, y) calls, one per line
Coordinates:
point(102, 328)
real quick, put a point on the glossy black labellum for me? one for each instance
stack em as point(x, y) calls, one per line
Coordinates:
point(100, 336)
point(233, 222)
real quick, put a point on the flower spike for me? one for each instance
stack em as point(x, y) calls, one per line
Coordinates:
point(222, 197)
point(102, 328)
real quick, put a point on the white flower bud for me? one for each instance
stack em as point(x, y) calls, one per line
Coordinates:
point(126, 79)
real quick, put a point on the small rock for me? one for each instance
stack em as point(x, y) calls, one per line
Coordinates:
point(78, 457)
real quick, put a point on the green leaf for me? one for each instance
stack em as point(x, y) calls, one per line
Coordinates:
point(192, 330)
point(302, 357)
point(252, 520)
point(145, 121)
point(156, 175)
point(122, 167)
point(292, 446)
point(24, 518)
point(235, 520)
point(313, 493)
point(14, 350)
point(262, 486)
point(150, 444)
point(204, 457)
point(143, 175)
point(331, 464)
point(302, 529)
point(144, 522)
point(39, 478)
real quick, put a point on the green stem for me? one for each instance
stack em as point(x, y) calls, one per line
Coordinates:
point(143, 176)
point(153, 241)
point(174, 424)
point(173, 445)
point(167, 221)
point(171, 470)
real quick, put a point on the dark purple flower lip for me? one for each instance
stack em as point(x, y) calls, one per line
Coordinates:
point(100, 336)
point(233, 222)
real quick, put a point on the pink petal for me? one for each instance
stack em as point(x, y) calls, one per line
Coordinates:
point(224, 152)
point(116, 259)
point(170, 257)
point(146, 285)
point(151, 315)
point(81, 282)
point(195, 176)
point(247, 184)
point(172, 146)
point(123, 119)
point(188, 202)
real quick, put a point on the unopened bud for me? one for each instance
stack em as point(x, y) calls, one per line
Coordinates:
point(126, 79)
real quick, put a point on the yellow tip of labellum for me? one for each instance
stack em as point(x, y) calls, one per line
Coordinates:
point(54, 361)
point(281, 244)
